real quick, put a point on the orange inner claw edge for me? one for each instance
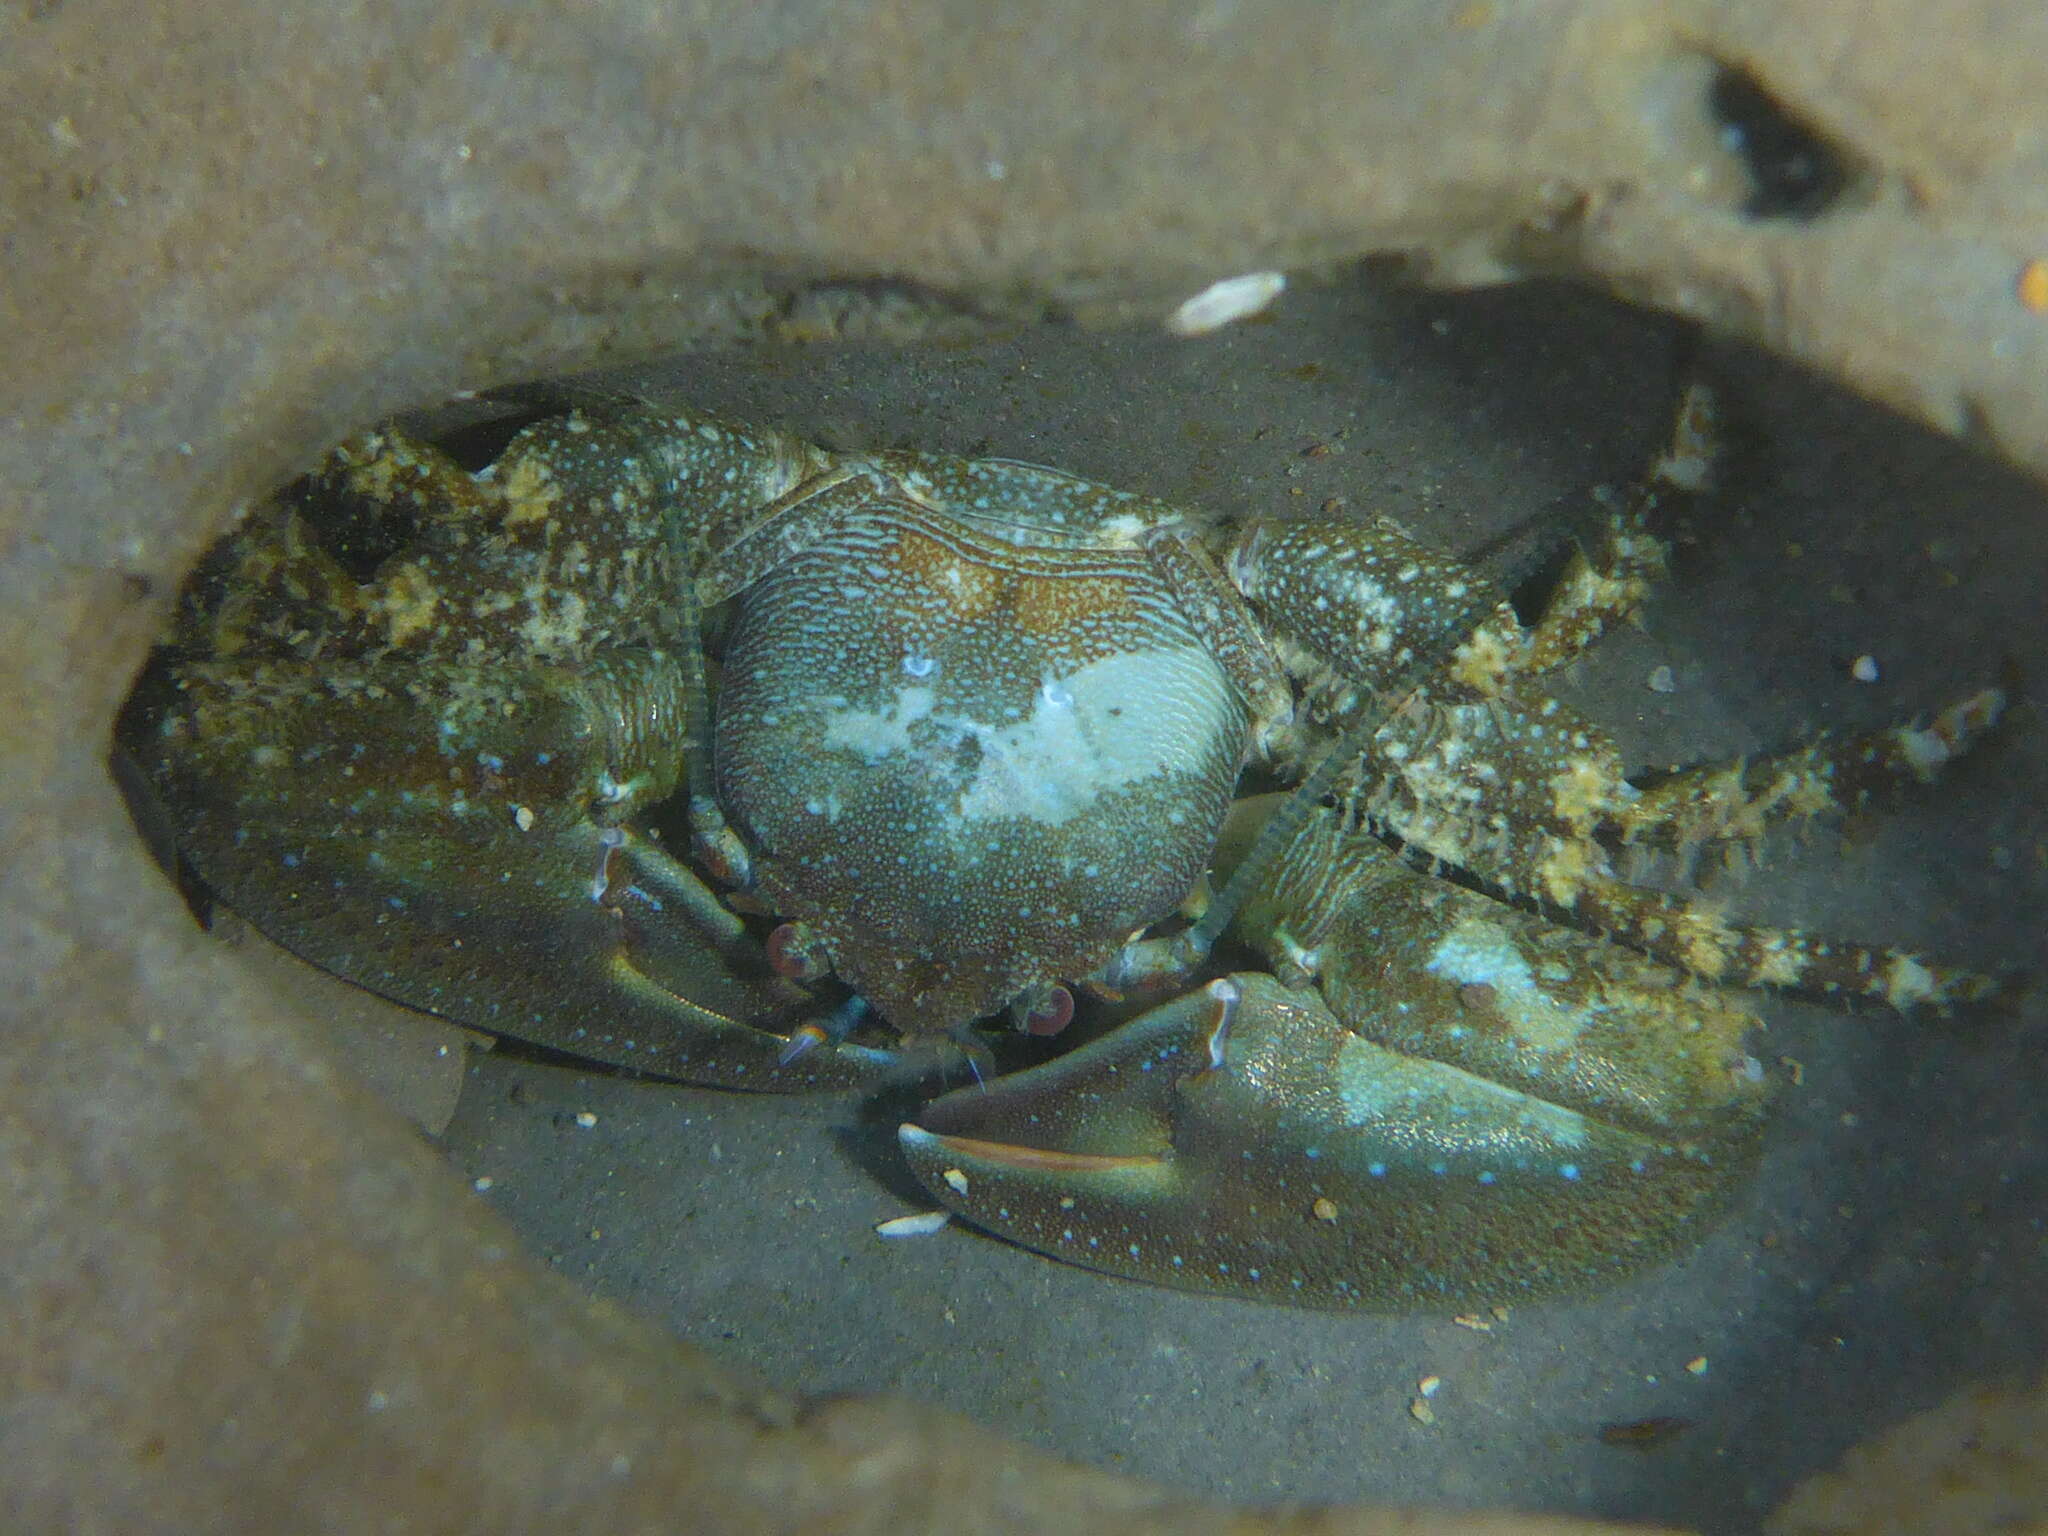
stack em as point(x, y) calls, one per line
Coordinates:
point(1010, 1155)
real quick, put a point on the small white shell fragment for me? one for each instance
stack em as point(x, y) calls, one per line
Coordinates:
point(482, 1183)
point(1222, 302)
point(1690, 462)
point(586, 1119)
point(923, 1224)
point(1864, 669)
point(1663, 680)
point(955, 1180)
point(1429, 1385)
point(1697, 1365)
point(522, 817)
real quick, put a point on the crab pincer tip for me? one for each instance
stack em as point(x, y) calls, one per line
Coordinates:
point(802, 1040)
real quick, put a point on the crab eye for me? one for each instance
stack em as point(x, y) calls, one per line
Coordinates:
point(796, 954)
point(1052, 1015)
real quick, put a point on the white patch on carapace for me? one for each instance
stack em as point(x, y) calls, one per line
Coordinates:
point(875, 735)
point(1384, 1088)
point(1479, 952)
point(1109, 724)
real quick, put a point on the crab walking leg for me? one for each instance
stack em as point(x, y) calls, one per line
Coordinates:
point(1512, 788)
point(617, 510)
point(1607, 586)
point(579, 536)
point(1684, 932)
point(1598, 590)
point(1515, 801)
point(391, 471)
point(1360, 610)
point(1353, 602)
point(1831, 777)
point(709, 478)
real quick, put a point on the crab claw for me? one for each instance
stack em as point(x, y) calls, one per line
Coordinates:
point(1242, 1140)
point(453, 864)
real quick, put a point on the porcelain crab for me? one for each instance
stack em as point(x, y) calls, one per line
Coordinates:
point(533, 745)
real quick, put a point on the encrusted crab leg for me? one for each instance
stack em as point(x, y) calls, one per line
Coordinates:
point(1560, 865)
point(1606, 586)
point(1482, 773)
point(1555, 782)
point(1741, 800)
point(1467, 1105)
point(1705, 944)
point(1362, 608)
point(1738, 801)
